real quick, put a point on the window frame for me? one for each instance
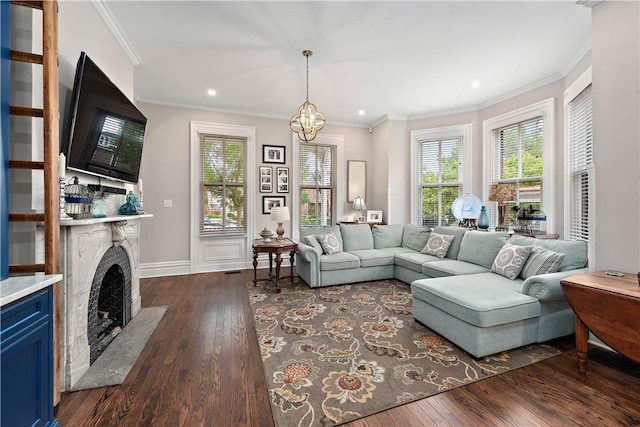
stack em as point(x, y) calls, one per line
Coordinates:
point(339, 185)
point(464, 131)
point(575, 89)
point(222, 251)
point(224, 185)
point(545, 109)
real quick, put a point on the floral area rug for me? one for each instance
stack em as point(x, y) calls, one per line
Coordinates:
point(335, 354)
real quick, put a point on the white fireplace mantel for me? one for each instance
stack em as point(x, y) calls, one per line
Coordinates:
point(83, 244)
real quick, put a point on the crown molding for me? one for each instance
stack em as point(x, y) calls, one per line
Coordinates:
point(111, 23)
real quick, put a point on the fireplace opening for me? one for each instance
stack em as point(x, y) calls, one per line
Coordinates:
point(109, 301)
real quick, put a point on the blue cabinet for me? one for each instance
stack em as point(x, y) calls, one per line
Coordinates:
point(26, 339)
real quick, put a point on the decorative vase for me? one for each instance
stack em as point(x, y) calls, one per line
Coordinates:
point(483, 219)
point(266, 234)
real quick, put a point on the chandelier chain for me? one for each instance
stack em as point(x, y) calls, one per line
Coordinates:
point(307, 77)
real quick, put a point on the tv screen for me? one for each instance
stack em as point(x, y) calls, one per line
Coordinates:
point(106, 130)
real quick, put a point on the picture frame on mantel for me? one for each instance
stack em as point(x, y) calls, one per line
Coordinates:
point(274, 154)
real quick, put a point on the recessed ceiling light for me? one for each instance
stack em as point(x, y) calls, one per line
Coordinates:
point(475, 84)
point(361, 112)
point(211, 92)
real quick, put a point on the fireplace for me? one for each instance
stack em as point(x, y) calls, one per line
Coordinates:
point(109, 301)
point(101, 289)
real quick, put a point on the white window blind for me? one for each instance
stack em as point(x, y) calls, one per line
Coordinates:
point(517, 151)
point(317, 184)
point(222, 184)
point(440, 179)
point(580, 164)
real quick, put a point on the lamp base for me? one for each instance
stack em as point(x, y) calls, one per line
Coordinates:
point(502, 217)
point(280, 232)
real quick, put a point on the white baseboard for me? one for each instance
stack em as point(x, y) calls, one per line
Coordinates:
point(178, 268)
point(158, 269)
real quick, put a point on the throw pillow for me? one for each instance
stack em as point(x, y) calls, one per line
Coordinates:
point(437, 244)
point(541, 261)
point(329, 243)
point(313, 242)
point(510, 260)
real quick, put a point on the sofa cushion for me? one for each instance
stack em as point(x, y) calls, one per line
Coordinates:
point(457, 234)
point(481, 247)
point(483, 305)
point(451, 267)
point(414, 237)
point(400, 250)
point(329, 243)
point(312, 241)
point(510, 260)
point(541, 261)
point(437, 244)
point(575, 252)
point(387, 236)
point(339, 261)
point(315, 231)
point(356, 237)
point(374, 257)
point(414, 260)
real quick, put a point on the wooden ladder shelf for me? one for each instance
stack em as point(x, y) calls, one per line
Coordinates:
point(49, 113)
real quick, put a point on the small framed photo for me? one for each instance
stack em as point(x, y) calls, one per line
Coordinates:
point(266, 179)
point(282, 180)
point(274, 154)
point(374, 217)
point(269, 202)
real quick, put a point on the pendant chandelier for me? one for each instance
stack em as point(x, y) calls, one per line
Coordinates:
point(308, 121)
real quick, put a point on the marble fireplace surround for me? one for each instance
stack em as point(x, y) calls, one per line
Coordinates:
point(84, 243)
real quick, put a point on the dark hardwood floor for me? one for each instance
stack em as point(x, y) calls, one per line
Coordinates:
point(201, 367)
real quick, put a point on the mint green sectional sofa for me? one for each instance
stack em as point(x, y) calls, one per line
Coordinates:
point(458, 295)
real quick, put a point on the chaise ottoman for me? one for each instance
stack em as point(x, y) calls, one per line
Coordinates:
point(482, 313)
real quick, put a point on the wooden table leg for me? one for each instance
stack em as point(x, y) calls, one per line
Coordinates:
point(278, 262)
point(582, 335)
point(292, 257)
point(255, 267)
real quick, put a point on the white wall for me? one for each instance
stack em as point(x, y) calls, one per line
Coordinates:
point(80, 28)
point(616, 134)
point(165, 171)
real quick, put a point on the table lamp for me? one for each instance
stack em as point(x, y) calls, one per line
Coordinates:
point(280, 214)
point(502, 193)
point(359, 205)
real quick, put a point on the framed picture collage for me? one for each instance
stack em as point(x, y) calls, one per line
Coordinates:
point(273, 178)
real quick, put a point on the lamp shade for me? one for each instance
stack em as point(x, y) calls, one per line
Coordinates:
point(358, 204)
point(279, 214)
point(502, 192)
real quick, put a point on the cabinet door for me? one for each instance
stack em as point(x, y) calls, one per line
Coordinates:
point(26, 381)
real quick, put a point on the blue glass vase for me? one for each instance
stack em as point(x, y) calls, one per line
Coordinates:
point(483, 220)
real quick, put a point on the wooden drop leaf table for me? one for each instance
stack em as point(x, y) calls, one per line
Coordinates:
point(608, 306)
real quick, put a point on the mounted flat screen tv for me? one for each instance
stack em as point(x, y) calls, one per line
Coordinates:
point(106, 130)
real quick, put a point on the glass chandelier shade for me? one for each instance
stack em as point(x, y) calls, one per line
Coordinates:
point(308, 121)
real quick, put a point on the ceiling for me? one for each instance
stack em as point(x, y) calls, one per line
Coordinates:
point(391, 59)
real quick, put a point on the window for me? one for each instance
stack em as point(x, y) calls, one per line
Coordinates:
point(441, 180)
point(580, 165)
point(518, 160)
point(222, 184)
point(519, 151)
point(317, 184)
point(440, 173)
